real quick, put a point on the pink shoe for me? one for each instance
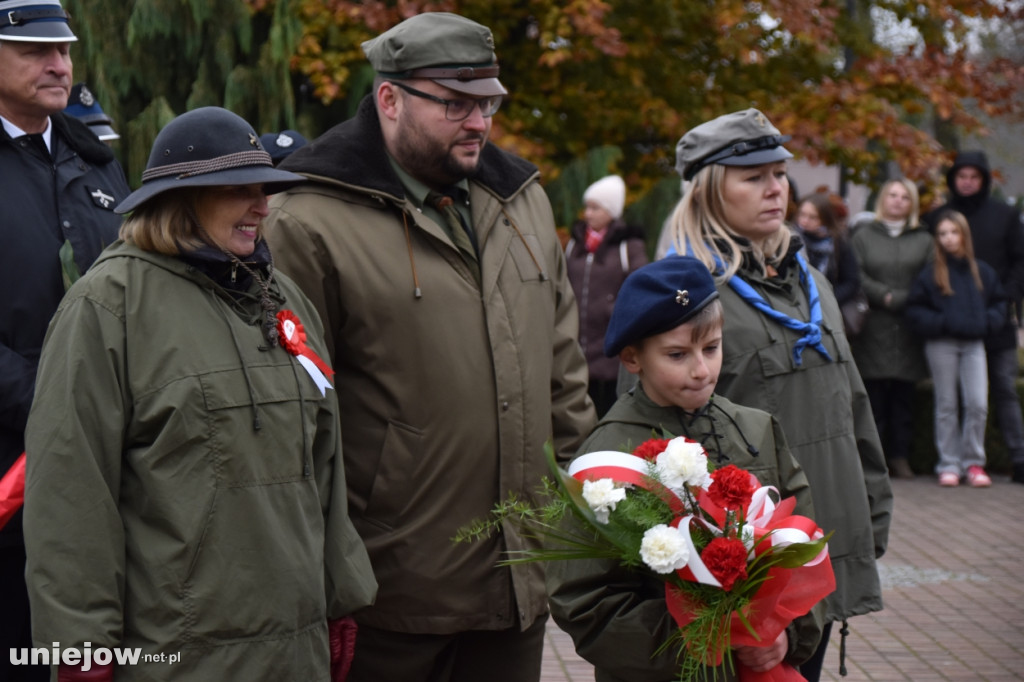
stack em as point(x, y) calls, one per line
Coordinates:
point(948, 479)
point(977, 478)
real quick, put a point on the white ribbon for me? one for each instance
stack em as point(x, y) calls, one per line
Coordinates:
point(314, 372)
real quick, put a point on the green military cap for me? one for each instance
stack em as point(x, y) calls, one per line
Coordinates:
point(743, 138)
point(454, 51)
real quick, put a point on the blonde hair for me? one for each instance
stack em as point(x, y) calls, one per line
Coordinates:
point(915, 201)
point(699, 229)
point(167, 223)
point(942, 265)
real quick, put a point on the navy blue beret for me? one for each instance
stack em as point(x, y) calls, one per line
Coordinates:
point(656, 298)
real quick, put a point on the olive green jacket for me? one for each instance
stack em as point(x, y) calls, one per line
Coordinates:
point(825, 414)
point(886, 348)
point(452, 387)
point(158, 514)
point(617, 617)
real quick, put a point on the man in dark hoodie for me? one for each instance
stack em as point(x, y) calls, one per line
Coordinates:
point(60, 186)
point(999, 241)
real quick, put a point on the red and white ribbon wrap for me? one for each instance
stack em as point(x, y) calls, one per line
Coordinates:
point(293, 340)
point(622, 467)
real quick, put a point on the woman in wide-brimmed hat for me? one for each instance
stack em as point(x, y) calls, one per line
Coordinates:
point(185, 495)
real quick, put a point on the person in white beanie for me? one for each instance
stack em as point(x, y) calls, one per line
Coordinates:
point(600, 252)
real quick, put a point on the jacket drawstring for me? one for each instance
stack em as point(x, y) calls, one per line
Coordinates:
point(256, 425)
point(416, 292)
point(713, 432)
point(754, 452)
point(540, 270)
point(843, 632)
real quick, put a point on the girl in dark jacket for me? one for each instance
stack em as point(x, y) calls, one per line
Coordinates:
point(602, 250)
point(954, 304)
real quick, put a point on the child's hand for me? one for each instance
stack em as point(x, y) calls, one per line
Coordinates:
point(763, 658)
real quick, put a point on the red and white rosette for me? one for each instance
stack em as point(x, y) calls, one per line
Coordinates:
point(293, 340)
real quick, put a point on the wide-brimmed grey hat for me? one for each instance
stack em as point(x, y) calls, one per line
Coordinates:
point(207, 147)
point(35, 21)
point(743, 138)
point(454, 51)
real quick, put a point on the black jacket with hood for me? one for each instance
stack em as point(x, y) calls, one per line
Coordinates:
point(997, 236)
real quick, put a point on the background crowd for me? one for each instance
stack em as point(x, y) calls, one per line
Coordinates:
point(221, 391)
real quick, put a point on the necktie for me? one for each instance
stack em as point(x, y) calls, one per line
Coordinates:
point(457, 230)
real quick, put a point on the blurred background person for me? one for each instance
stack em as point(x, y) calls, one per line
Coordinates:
point(280, 145)
point(954, 304)
point(827, 246)
point(602, 250)
point(999, 241)
point(82, 105)
point(891, 251)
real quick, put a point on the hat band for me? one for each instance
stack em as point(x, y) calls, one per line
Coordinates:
point(188, 169)
point(16, 17)
point(462, 73)
point(739, 149)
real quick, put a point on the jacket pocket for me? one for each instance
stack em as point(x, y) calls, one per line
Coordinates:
point(282, 408)
point(257, 568)
point(395, 478)
point(528, 255)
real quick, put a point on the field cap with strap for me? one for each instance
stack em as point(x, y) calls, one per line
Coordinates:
point(743, 138)
point(207, 147)
point(35, 21)
point(657, 298)
point(455, 52)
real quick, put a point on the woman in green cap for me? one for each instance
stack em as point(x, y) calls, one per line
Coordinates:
point(787, 352)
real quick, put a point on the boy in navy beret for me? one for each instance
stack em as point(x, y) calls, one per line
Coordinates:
point(666, 328)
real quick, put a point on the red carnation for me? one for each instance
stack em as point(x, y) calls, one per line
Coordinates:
point(732, 487)
point(727, 561)
point(650, 449)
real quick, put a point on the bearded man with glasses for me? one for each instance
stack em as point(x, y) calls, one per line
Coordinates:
point(433, 259)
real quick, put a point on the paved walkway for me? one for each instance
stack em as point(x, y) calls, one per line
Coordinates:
point(953, 582)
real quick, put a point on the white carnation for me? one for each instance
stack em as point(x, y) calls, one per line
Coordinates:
point(664, 549)
point(602, 496)
point(683, 463)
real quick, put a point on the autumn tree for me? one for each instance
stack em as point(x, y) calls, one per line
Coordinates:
point(591, 74)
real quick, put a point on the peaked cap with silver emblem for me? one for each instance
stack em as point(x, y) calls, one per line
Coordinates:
point(83, 105)
point(35, 21)
point(207, 147)
point(743, 138)
point(657, 298)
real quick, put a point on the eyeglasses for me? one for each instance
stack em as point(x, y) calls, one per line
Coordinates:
point(458, 109)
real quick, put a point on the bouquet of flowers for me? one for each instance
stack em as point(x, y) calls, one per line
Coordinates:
point(737, 564)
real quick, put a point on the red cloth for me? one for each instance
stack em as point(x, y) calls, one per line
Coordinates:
point(594, 239)
point(12, 490)
point(342, 637)
point(97, 673)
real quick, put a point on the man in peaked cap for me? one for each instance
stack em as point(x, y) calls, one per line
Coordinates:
point(433, 259)
point(83, 105)
point(60, 186)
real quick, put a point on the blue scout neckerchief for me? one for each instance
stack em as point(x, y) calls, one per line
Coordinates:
point(811, 330)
